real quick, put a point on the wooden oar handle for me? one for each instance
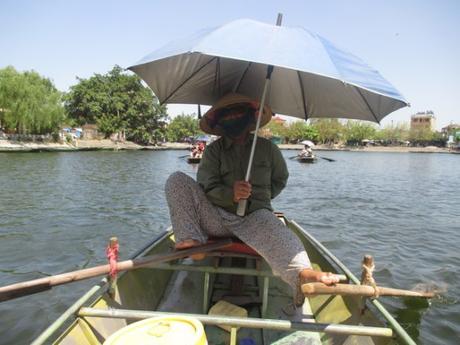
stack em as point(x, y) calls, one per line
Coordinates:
point(342, 277)
point(359, 290)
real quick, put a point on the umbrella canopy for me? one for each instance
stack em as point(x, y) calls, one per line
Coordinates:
point(312, 77)
point(308, 143)
point(203, 138)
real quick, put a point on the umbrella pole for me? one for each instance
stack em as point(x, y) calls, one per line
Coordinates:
point(242, 204)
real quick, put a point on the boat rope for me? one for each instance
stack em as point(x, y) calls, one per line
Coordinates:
point(112, 256)
point(367, 277)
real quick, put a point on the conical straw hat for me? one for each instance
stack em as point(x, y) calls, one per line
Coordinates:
point(232, 99)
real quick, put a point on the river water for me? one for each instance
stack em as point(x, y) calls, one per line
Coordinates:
point(58, 210)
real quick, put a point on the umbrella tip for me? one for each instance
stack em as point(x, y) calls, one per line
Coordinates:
point(279, 19)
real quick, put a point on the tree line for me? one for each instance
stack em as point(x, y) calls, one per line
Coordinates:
point(351, 133)
point(118, 101)
point(115, 102)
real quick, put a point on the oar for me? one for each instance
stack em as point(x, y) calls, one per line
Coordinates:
point(359, 290)
point(42, 284)
point(184, 156)
point(325, 158)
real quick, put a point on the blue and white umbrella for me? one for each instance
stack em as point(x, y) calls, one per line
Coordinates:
point(312, 77)
point(294, 71)
point(308, 143)
point(203, 138)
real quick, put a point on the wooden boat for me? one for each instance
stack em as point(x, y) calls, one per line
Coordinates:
point(193, 160)
point(307, 159)
point(187, 287)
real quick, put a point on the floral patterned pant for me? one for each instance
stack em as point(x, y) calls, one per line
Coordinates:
point(193, 216)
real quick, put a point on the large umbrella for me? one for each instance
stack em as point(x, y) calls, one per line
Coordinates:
point(308, 143)
point(311, 78)
point(203, 138)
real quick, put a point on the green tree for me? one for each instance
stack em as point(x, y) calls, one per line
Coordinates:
point(29, 103)
point(117, 101)
point(181, 127)
point(393, 134)
point(274, 129)
point(356, 131)
point(329, 130)
point(425, 137)
point(300, 130)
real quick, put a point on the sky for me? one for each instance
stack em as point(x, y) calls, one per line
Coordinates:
point(414, 44)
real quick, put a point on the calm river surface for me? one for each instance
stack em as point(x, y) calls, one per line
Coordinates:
point(58, 210)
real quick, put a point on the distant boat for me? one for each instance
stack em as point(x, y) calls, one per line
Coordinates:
point(307, 159)
point(193, 160)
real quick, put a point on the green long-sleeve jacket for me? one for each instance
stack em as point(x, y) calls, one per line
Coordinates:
point(224, 162)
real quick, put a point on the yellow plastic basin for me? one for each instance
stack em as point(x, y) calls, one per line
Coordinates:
point(160, 331)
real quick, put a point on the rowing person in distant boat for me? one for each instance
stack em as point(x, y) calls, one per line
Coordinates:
point(207, 207)
point(197, 150)
point(307, 151)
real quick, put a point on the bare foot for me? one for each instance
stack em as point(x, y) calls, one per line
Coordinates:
point(189, 244)
point(329, 278)
point(308, 275)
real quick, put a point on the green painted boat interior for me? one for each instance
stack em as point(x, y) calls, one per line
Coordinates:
point(187, 286)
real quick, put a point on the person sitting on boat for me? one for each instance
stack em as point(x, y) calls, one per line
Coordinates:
point(197, 150)
point(201, 147)
point(207, 207)
point(307, 152)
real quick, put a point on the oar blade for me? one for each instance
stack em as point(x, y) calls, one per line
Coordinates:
point(24, 291)
point(327, 159)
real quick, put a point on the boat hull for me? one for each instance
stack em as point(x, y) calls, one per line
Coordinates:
point(306, 159)
point(193, 160)
point(192, 287)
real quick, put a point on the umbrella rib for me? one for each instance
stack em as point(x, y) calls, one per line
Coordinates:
point(242, 77)
point(303, 95)
point(186, 80)
point(217, 78)
point(368, 105)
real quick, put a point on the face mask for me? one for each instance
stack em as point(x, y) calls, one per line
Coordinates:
point(234, 122)
point(233, 132)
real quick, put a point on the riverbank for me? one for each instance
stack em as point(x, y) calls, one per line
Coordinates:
point(78, 145)
point(110, 145)
point(401, 149)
